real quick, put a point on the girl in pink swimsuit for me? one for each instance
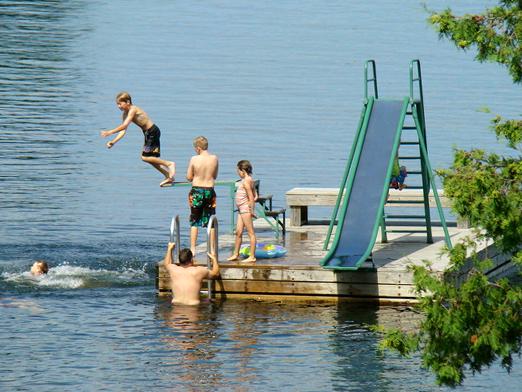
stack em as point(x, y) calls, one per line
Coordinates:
point(245, 201)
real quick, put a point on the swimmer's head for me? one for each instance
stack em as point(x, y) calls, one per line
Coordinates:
point(39, 267)
point(185, 256)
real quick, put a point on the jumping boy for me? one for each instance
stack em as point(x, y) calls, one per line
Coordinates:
point(151, 147)
point(202, 172)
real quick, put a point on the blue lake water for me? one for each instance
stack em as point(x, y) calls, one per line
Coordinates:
point(278, 83)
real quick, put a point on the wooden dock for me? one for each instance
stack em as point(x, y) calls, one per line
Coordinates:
point(298, 275)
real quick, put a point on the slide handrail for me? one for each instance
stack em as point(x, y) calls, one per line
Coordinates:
point(349, 178)
point(372, 79)
point(349, 166)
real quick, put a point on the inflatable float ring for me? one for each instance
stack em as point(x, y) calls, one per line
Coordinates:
point(264, 251)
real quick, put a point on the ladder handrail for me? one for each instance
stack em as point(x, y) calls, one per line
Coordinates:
point(212, 224)
point(174, 234)
point(431, 180)
point(373, 79)
point(416, 64)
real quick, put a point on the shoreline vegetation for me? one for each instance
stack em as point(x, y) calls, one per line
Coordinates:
point(471, 324)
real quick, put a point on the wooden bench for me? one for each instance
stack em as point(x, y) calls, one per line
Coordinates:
point(299, 199)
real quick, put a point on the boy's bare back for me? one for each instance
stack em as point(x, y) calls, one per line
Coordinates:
point(203, 170)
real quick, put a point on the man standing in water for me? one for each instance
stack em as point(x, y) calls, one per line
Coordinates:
point(186, 278)
point(202, 172)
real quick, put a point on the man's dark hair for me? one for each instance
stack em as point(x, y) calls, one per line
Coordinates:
point(185, 256)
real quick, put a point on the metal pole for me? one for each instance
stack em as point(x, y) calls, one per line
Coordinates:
point(174, 234)
point(212, 224)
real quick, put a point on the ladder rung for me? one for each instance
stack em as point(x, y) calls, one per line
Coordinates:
point(414, 186)
point(406, 231)
point(409, 158)
point(409, 127)
point(414, 172)
point(409, 143)
point(405, 202)
point(405, 216)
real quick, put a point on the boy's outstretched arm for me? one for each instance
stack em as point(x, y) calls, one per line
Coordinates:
point(115, 140)
point(168, 255)
point(120, 129)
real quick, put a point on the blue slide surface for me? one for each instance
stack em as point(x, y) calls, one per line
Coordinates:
point(363, 203)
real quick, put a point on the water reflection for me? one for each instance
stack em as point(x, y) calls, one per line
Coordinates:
point(188, 342)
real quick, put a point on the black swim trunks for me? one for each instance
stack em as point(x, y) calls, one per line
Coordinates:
point(202, 202)
point(151, 146)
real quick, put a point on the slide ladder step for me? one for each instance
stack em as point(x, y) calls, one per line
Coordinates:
point(405, 202)
point(406, 231)
point(396, 216)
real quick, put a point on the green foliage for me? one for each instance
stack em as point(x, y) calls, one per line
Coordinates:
point(470, 322)
point(467, 325)
point(511, 130)
point(496, 34)
point(486, 189)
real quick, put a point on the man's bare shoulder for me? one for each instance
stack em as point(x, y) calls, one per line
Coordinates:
point(201, 271)
point(171, 267)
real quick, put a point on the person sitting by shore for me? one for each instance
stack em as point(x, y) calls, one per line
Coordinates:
point(186, 278)
point(39, 267)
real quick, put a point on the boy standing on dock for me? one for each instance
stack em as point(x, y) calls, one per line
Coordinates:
point(202, 173)
point(151, 147)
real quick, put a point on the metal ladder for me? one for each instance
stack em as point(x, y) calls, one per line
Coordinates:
point(212, 246)
point(212, 225)
point(174, 235)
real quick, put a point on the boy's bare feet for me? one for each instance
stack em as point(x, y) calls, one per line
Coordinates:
point(172, 170)
point(249, 260)
point(167, 182)
point(233, 258)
